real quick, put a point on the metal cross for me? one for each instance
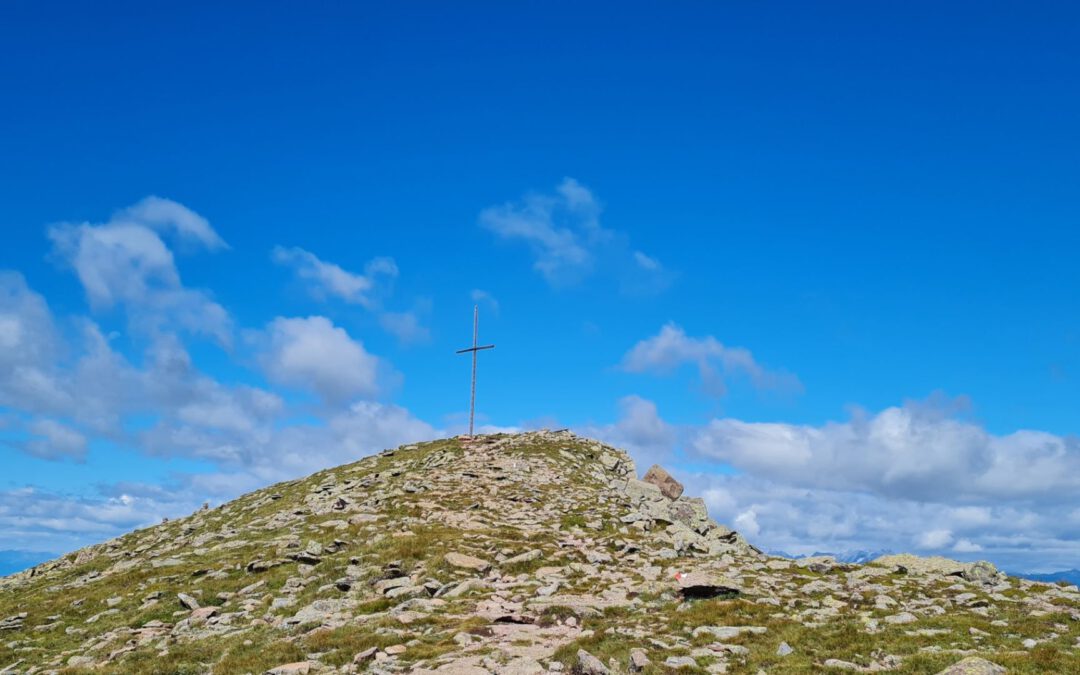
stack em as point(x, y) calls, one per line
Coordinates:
point(475, 348)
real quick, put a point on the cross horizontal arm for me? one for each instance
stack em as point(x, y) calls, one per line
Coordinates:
point(474, 349)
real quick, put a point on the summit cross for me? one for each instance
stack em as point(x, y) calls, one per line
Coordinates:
point(476, 347)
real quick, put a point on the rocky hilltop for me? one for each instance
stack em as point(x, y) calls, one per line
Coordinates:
point(516, 554)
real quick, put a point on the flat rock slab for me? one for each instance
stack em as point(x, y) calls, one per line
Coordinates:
point(580, 605)
point(706, 585)
point(467, 562)
point(973, 665)
point(298, 668)
point(729, 632)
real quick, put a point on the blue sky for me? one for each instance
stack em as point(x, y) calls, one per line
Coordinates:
point(820, 260)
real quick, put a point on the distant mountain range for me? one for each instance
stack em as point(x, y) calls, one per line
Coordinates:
point(1069, 576)
point(16, 561)
point(855, 557)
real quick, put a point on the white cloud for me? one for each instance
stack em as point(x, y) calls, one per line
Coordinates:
point(166, 215)
point(329, 280)
point(117, 262)
point(41, 521)
point(53, 440)
point(64, 386)
point(645, 262)
point(970, 516)
point(28, 335)
point(326, 280)
point(405, 326)
point(562, 254)
point(934, 539)
point(639, 430)
point(746, 523)
point(313, 354)
point(966, 546)
point(672, 347)
point(125, 262)
point(32, 519)
point(562, 230)
point(797, 520)
point(483, 297)
point(784, 500)
point(913, 452)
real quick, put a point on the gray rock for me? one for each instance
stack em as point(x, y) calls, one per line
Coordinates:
point(365, 656)
point(728, 632)
point(841, 665)
point(319, 611)
point(298, 668)
point(521, 666)
point(638, 660)
point(407, 592)
point(982, 572)
point(678, 662)
point(640, 491)
point(784, 649)
point(818, 563)
point(384, 585)
point(901, 618)
point(468, 562)
point(187, 601)
point(525, 557)
point(13, 622)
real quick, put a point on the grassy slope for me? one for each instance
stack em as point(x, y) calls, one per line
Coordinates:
point(71, 595)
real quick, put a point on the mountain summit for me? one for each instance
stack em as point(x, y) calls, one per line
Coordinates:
point(518, 554)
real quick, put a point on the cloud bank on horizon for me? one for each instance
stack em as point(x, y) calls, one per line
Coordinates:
point(296, 393)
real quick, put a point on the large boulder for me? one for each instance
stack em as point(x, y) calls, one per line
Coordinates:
point(691, 511)
point(983, 572)
point(669, 487)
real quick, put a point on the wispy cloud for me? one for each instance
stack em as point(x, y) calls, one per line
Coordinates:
point(126, 262)
point(715, 362)
point(369, 290)
point(405, 326)
point(53, 440)
point(638, 429)
point(165, 215)
point(483, 297)
point(562, 230)
point(326, 279)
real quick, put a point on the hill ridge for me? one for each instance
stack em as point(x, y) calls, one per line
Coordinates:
point(515, 553)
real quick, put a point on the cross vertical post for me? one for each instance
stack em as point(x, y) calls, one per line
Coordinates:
point(476, 347)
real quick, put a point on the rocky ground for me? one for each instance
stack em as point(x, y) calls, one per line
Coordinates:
point(516, 554)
